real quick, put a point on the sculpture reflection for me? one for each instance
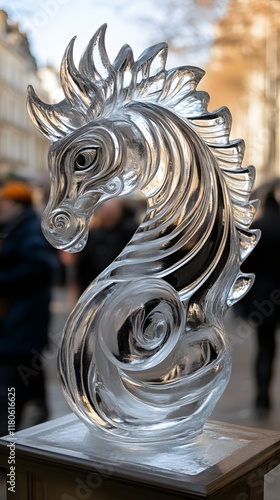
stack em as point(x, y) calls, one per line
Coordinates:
point(144, 353)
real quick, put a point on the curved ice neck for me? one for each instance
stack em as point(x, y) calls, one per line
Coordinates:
point(179, 234)
point(178, 180)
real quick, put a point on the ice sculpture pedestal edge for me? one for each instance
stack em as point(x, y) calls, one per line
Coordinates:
point(61, 460)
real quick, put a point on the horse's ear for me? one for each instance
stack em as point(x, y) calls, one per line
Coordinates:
point(47, 119)
point(54, 121)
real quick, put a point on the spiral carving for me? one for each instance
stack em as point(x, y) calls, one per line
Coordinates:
point(148, 322)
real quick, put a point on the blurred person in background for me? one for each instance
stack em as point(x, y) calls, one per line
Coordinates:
point(27, 264)
point(111, 228)
point(261, 306)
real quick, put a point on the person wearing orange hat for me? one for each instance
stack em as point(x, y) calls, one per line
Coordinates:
point(27, 264)
point(13, 196)
point(17, 190)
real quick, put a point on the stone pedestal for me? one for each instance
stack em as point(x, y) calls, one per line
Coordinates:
point(62, 460)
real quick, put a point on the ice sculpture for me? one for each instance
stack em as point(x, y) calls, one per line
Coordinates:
point(144, 354)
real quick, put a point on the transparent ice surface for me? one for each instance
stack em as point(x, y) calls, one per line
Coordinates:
point(68, 436)
point(144, 354)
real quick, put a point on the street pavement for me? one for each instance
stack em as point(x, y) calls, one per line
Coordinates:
point(235, 405)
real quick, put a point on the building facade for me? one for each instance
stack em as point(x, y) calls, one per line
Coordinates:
point(244, 74)
point(23, 150)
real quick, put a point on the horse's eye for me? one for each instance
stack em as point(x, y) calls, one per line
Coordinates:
point(86, 159)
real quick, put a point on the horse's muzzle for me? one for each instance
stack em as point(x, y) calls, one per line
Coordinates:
point(64, 229)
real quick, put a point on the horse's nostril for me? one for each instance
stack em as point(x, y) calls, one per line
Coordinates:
point(59, 226)
point(60, 221)
point(64, 229)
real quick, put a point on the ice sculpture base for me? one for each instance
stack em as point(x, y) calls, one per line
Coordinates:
point(62, 459)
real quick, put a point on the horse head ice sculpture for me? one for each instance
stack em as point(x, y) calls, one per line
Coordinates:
point(144, 353)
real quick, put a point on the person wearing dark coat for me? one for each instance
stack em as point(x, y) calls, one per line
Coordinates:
point(27, 264)
point(261, 306)
point(114, 228)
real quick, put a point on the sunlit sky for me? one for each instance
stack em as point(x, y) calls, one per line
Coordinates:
point(50, 25)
